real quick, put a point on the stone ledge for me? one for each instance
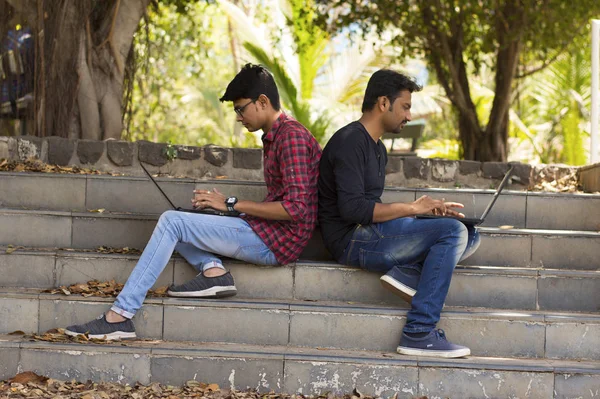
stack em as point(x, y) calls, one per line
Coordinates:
point(212, 161)
point(589, 178)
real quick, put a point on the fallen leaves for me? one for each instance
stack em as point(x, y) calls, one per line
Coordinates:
point(556, 180)
point(28, 377)
point(31, 385)
point(57, 335)
point(35, 165)
point(125, 250)
point(103, 289)
point(11, 248)
point(103, 250)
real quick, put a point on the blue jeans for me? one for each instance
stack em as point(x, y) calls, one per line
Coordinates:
point(432, 246)
point(198, 238)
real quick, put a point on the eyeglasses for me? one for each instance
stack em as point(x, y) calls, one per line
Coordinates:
point(240, 110)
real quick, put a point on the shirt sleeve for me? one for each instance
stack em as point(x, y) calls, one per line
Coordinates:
point(296, 160)
point(349, 170)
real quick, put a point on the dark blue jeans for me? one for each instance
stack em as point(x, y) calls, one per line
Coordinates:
point(433, 246)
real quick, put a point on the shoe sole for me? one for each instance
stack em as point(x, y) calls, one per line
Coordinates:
point(403, 291)
point(214, 292)
point(114, 336)
point(431, 353)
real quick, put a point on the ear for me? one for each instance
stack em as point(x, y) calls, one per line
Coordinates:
point(263, 101)
point(383, 103)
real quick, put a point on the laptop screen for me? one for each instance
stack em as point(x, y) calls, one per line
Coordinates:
point(497, 193)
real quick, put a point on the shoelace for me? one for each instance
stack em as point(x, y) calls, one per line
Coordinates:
point(441, 335)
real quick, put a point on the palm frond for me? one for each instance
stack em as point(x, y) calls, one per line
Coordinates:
point(287, 89)
point(245, 26)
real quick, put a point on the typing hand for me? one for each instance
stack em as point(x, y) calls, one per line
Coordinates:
point(209, 199)
point(448, 211)
point(427, 205)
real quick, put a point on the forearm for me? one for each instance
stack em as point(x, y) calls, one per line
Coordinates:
point(386, 212)
point(265, 210)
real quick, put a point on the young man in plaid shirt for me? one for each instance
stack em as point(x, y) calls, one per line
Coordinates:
point(272, 232)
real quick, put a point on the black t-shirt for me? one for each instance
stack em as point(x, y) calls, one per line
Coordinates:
point(351, 181)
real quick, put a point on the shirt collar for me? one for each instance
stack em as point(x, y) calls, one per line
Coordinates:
point(270, 135)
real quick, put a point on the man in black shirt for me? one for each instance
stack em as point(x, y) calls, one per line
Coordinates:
point(417, 256)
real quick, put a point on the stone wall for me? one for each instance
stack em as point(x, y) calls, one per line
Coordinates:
point(246, 164)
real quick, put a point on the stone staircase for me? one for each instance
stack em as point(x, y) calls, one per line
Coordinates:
point(527, 303)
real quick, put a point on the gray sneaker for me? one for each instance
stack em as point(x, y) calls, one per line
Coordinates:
point(102, 329)
point(205, 287)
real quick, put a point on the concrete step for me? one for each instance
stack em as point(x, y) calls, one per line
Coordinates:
point(80, 193)
point(300, 370)
point(472, 286)
point(499, 247)
point(335, 325)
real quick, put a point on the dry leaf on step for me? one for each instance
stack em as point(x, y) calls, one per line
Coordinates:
point(28, 377)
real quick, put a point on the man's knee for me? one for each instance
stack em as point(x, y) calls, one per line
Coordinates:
point(166, 219)
point(475, 238)
point(458, 231)
point(455, 226)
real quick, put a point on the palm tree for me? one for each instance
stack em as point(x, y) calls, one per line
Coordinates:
point(316, 81)
point(553, 108)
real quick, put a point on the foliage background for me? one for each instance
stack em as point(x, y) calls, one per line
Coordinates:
point(188, 52)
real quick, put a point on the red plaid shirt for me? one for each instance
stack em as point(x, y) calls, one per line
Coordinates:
point(291, 168)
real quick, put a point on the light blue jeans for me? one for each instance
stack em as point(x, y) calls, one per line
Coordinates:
point(198, 238)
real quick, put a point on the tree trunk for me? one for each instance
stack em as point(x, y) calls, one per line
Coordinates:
point(108, 65)
point(494, 143)
point(447, 57)
point(80, 64)
point(470, 137)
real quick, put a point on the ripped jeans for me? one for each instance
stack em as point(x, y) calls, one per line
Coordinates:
point(199, 238)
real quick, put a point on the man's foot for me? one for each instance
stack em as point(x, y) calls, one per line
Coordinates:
point(102, 329)
point(402, 282)
point(205, 287)
point(433, 344)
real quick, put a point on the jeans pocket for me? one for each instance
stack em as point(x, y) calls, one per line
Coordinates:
point(347, 256)
point(376, 261)
point(365, 233)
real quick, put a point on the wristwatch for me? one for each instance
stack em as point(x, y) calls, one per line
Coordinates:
point(230, 202)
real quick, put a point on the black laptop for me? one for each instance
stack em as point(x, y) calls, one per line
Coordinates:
point(477, 221)
point(206, 211)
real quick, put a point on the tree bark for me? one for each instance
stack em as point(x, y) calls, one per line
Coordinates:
point(80, 64)
point(494, 146)
point(87, 99)
point(108, 66)
point(447, 57)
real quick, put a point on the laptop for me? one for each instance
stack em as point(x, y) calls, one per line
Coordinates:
point(206, 211)
point(476, 221)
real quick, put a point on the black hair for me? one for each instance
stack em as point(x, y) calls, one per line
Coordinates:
point(251, 82)
point(387, 83)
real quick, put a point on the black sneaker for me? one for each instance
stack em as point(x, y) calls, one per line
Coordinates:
point(102, 329)
point(205, 287)
point(433, 344)
point(402, 282)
